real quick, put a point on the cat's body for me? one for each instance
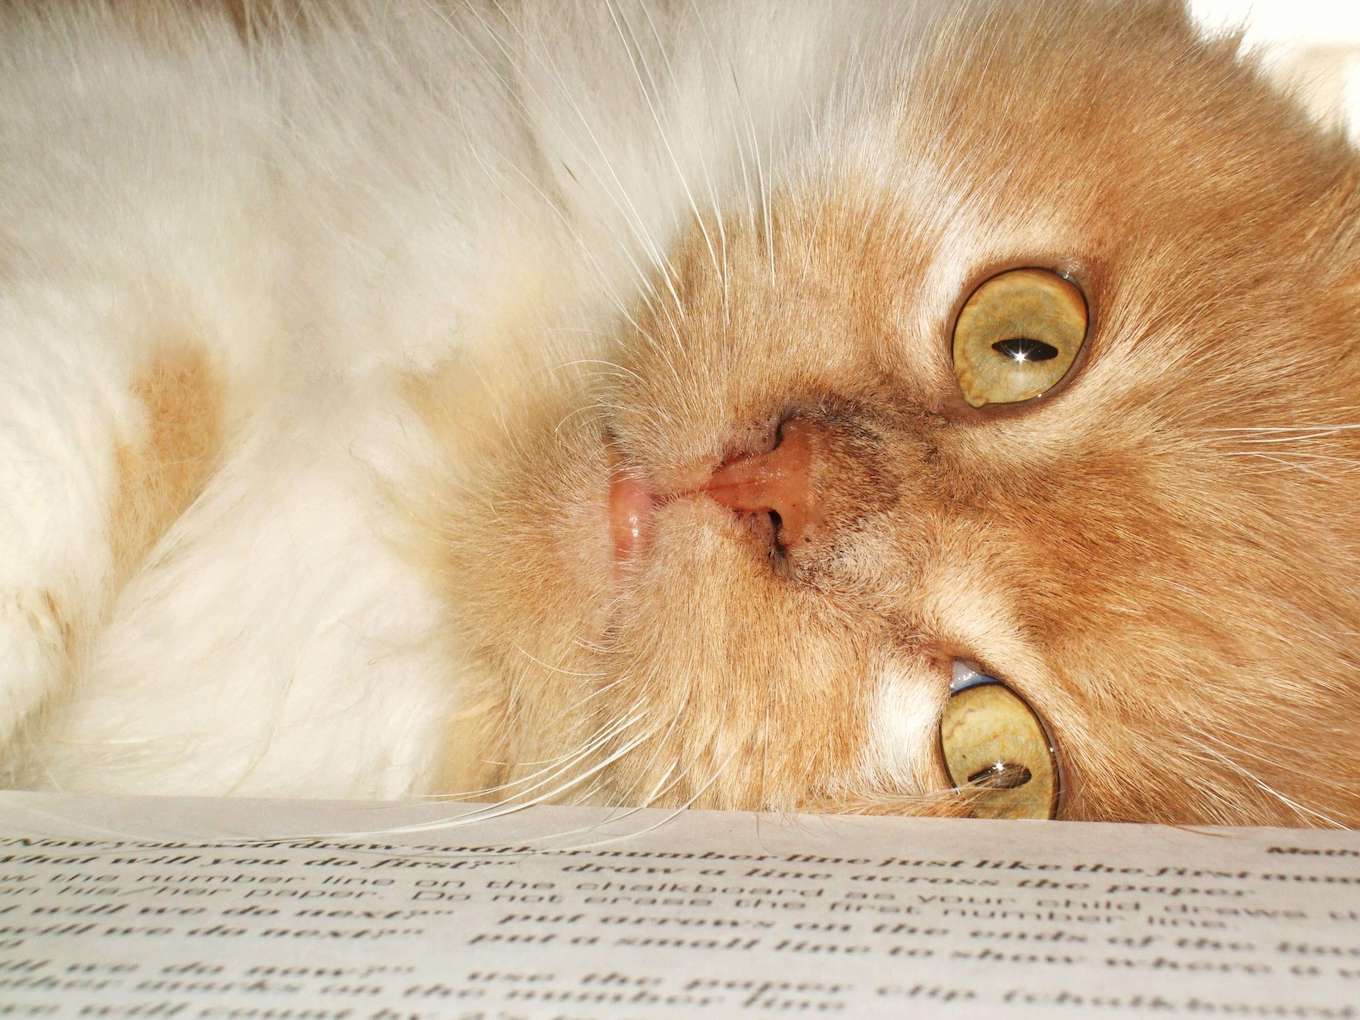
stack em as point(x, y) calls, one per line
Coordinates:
point(364, 372)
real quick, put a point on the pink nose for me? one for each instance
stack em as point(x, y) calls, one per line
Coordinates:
point(778, 482)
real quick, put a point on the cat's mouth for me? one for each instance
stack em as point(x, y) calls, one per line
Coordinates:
point(631, 505)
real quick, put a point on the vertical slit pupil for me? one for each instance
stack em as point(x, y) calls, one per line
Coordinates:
point(1023, 348)
point(1003, 775)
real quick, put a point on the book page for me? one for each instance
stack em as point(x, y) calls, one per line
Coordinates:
point(269, 909)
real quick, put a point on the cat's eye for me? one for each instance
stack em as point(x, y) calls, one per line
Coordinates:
point(1017, 335)
point(996, 749)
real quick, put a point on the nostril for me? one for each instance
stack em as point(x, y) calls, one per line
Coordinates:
point(1002, 775)
point(778, 549)
point(778, 483)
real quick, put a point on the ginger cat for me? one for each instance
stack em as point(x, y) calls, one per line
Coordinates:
point(921, 408)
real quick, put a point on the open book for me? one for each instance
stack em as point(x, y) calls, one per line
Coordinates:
point(250, 910)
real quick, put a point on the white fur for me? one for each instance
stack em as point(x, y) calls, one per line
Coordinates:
point(901, 755)
point(322, 218)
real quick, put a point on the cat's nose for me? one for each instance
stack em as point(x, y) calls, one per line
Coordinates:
point(778, 482)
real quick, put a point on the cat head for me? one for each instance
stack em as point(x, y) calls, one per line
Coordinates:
point(812, 476)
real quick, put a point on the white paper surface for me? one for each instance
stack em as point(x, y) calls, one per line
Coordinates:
point(159, 908)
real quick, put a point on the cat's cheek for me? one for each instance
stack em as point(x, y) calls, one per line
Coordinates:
point(901, 749)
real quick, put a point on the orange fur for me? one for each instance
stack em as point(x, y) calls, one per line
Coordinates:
point(1162, 555)
point(165, 469)
point(1181, 594)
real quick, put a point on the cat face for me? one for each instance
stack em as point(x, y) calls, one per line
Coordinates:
point(745, 578)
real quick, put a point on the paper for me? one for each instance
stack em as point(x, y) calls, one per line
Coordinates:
point(236, 909)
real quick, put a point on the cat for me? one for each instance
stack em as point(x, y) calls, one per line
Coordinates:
point(908, 408)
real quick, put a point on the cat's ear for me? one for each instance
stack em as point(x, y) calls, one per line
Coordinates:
point(1163, 15)
point(1333, 251)
point(1170, 22)
point(1145, 19)
point(1337, 231)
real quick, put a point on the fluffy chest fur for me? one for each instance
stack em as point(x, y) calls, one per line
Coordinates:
point(568, 401)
